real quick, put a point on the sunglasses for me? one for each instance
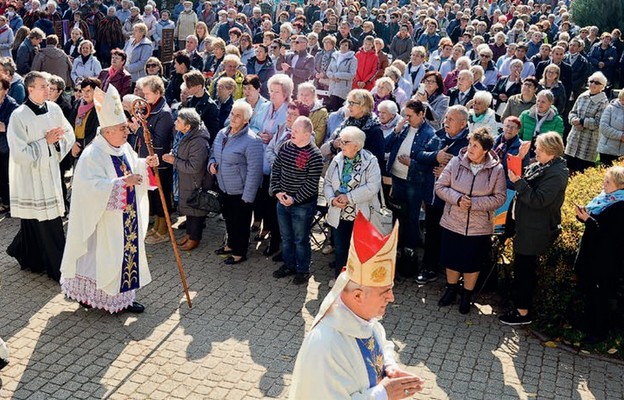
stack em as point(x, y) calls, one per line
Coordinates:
point(486, 56)
point(151, 65)
point(596, 82)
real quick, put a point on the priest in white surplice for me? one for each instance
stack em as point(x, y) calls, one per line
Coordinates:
point(104, 260)
point(346, 354)
point(39, 137)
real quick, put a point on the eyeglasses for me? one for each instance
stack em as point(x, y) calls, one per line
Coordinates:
point(596, 82)
point(429, 82)
point(151, 65)
point(345, 141)
point(529, 84)
point(354, 103)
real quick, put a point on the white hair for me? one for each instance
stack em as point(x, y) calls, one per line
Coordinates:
point(477, 70)
point(353, 134)
point(500, 34)
point(598, 76)
point(307, 86)
point(516, 61)
point(245, 108)
point(467, 73)
point(463, 60)
point(389, 106)
point(483, 96)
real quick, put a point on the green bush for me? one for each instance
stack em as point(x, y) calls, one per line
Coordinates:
point(557, 303)
point(606, 15)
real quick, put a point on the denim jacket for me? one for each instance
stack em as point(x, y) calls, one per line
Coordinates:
point(417, 169)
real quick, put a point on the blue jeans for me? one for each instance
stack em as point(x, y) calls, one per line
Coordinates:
point(410, 195)
point(295, 223)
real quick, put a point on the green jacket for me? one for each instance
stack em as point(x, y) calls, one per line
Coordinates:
point(529, 119)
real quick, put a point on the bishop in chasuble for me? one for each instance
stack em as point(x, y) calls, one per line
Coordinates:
point(104, 260)
point(346, 354)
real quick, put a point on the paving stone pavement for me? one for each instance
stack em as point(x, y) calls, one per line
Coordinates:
point(240, 339)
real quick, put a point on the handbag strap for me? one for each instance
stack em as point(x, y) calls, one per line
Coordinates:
point(381, 195)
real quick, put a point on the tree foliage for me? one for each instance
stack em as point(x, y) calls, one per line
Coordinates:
point(606, 15)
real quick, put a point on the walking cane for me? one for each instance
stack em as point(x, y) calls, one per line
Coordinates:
point(141, 110)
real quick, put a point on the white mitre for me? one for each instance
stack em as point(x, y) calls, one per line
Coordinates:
point(108, 107)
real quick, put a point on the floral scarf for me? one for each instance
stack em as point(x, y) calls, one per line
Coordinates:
point(604, 200)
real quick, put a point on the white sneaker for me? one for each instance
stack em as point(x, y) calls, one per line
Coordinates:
point(327, 249)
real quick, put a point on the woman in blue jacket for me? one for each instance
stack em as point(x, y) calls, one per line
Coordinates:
point(236, 161)
point(409, 176)
point(139, 49)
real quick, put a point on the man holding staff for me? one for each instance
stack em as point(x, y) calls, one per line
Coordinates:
point(104, 260)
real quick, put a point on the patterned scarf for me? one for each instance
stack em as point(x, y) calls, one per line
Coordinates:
point(347, 172)
point(349, 180)
point(365, 123)
point(176, 181)
point(604, 200)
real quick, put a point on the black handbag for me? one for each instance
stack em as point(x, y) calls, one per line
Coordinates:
point(205, 200)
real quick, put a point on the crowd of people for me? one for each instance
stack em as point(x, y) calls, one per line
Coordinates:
point(414, 104)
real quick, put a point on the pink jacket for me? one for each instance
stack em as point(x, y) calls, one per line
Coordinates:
point(487, 190)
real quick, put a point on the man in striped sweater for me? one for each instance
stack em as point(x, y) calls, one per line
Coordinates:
point(294, 182)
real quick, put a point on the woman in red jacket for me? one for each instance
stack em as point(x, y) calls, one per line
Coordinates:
point(366, 65)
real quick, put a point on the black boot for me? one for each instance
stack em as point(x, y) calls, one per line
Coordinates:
point(408, 263)
point(449, 295)
point(465, 298)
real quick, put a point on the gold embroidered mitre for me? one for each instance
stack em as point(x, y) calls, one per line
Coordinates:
point(372, 256)
point(108, 107)
point(371, 262)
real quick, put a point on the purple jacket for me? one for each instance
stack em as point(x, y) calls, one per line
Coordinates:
point(487, 190)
